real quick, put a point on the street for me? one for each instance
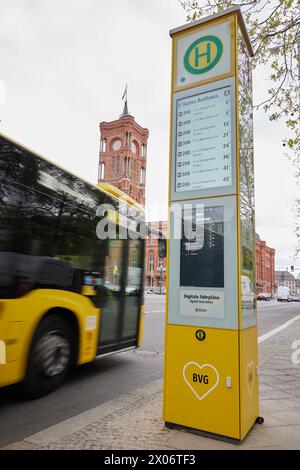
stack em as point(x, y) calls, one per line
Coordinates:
point(273, 314)
point(107, 378)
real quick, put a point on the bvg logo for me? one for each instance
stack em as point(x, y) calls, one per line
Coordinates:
point(203, 54)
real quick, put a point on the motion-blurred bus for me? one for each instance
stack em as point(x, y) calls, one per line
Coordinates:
point(66, 294)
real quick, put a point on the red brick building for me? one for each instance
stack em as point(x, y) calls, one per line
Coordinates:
point(123, 155)
point(265, 267)
point(122, 162)
point(155, 266)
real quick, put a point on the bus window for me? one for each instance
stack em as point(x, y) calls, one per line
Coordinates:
point(133, 290)
point(113, 285)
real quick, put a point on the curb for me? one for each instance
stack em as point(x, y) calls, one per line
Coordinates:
point(76, 423)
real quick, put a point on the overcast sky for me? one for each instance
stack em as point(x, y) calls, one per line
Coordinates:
point(64, 65)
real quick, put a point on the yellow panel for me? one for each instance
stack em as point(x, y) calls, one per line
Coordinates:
point(113, 191)
point(195, 393)
point(141, 325)
point(248, 379)
point(88, 290)
point(22, 316)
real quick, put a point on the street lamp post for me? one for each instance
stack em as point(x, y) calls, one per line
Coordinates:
point(151, 275)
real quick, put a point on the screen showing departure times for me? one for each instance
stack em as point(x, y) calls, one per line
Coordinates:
point(203, 140)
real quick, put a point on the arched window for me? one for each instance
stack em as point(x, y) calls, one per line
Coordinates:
point(134, 259)
point(103, 145)
point(101, 171)
point(144, 150)
point(142, 176)
point(129, 167)
point(151, 261)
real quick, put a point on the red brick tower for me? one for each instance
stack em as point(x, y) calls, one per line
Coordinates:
point(123, 153)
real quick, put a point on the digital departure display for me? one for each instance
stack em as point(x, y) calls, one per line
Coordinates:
point(203, 150)
point(202, 247)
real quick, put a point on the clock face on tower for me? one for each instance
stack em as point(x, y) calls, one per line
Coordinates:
point(117, 144)
point(133, 147)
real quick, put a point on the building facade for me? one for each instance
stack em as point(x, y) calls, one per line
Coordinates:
point(123, 155)
point(284, 278)
point(265, 267)
point(122, 163)
point(155, 266)
point(298, 284)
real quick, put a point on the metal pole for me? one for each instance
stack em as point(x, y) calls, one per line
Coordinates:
point(160, 278)
point(151, 275)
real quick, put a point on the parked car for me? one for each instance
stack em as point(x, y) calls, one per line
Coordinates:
point(264, 296)
point(148, 291)
point(295, 298)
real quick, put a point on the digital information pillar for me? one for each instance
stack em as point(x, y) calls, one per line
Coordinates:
point(211, 357)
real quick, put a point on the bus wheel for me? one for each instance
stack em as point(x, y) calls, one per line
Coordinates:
point(49, 357)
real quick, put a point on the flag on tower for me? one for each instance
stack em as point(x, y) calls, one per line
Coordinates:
point(125, 93)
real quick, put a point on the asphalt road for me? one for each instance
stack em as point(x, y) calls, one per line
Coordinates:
point(107, 378)
point(272, 314)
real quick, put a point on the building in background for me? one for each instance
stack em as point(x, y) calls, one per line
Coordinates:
point(284, 278)
point(123, 155)
point(298, 284)
point(155, 266)
point(265, 267)
point(122, 163)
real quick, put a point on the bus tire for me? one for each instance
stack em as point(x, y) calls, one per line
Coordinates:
point(49, 357)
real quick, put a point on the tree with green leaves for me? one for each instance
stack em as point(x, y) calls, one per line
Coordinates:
point(274, 30)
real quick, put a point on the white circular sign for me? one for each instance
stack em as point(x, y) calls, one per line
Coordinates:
point(117, 144)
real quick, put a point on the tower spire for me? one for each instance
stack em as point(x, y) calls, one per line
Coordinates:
point(124, 97)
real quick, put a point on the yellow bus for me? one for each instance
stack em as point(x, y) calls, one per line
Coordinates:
point(67, 294)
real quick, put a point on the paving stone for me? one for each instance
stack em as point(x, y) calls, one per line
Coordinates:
point(288, 437)
point(279, 404)
point(288, 417)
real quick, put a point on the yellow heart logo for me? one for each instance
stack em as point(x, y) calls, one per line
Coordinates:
point(201, 379)
point(250, 377)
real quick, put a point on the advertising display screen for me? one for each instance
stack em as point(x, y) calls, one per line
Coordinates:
point(203, 144)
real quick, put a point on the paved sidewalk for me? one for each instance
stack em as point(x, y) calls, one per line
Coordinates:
point(133, 421)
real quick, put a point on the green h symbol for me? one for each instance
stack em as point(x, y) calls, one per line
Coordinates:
point(203, 54)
